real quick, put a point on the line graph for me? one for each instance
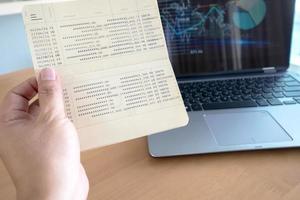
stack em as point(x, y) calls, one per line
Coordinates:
point(182, 20)
point(193, 27)
point(186, 22)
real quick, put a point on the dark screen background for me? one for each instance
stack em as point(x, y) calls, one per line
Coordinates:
point(208, 36)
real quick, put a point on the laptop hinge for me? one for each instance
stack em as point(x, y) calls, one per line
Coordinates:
point(269, 70)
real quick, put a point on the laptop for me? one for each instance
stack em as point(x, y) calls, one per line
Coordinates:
point(231, 59)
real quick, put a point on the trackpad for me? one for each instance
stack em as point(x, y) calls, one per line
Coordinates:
point(245, 128)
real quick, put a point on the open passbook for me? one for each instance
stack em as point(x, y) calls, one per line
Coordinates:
point(112, 56)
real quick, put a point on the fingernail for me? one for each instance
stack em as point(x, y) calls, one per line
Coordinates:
point(48, 74)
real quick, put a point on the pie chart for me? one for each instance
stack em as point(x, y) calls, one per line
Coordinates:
point(249, 13)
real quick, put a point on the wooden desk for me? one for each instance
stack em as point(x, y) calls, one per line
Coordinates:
point(127, 172)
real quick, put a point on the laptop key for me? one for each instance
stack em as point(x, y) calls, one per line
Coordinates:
point(225, 99)
point(246, 92)
point(274, 102)
point(291, 89)
point(225, 93)
point(204, 100)
point(292, 94)
point(290, 102)
point(196, 107)
point(268, 96)
point(267, 90)
point(279, 84)
point(262, 102)
point(257, 96)
point(247, 97)
point(257, 91)
point(278, 95)
point(228, 105)
point(294, 83)
point(214, 99)
point(236, 98)
point(286, 79)
point(277, 89)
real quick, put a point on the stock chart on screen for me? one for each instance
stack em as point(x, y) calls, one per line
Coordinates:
point(189, 25)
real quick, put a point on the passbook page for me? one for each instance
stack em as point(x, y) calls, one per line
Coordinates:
point(112, 56)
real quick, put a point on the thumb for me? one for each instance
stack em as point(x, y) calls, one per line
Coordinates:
point(50, 93)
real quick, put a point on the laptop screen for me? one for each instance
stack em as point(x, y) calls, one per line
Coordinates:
point(220, 36)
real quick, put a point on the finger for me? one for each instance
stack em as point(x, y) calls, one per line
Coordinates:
point(34, 108)
point(18, 98)
point(50, 93)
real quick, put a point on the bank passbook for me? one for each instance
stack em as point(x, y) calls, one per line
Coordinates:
point(111, 55)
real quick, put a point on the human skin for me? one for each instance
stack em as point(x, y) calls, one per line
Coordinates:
point(38, 144)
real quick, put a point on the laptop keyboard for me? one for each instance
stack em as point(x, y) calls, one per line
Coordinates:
point(241, 93)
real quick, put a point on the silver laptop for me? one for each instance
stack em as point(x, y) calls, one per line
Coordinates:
point(231, 59)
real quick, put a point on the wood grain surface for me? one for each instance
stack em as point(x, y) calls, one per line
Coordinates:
point(126, 171)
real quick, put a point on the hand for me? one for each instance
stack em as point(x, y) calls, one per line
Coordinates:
point(38, 144)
